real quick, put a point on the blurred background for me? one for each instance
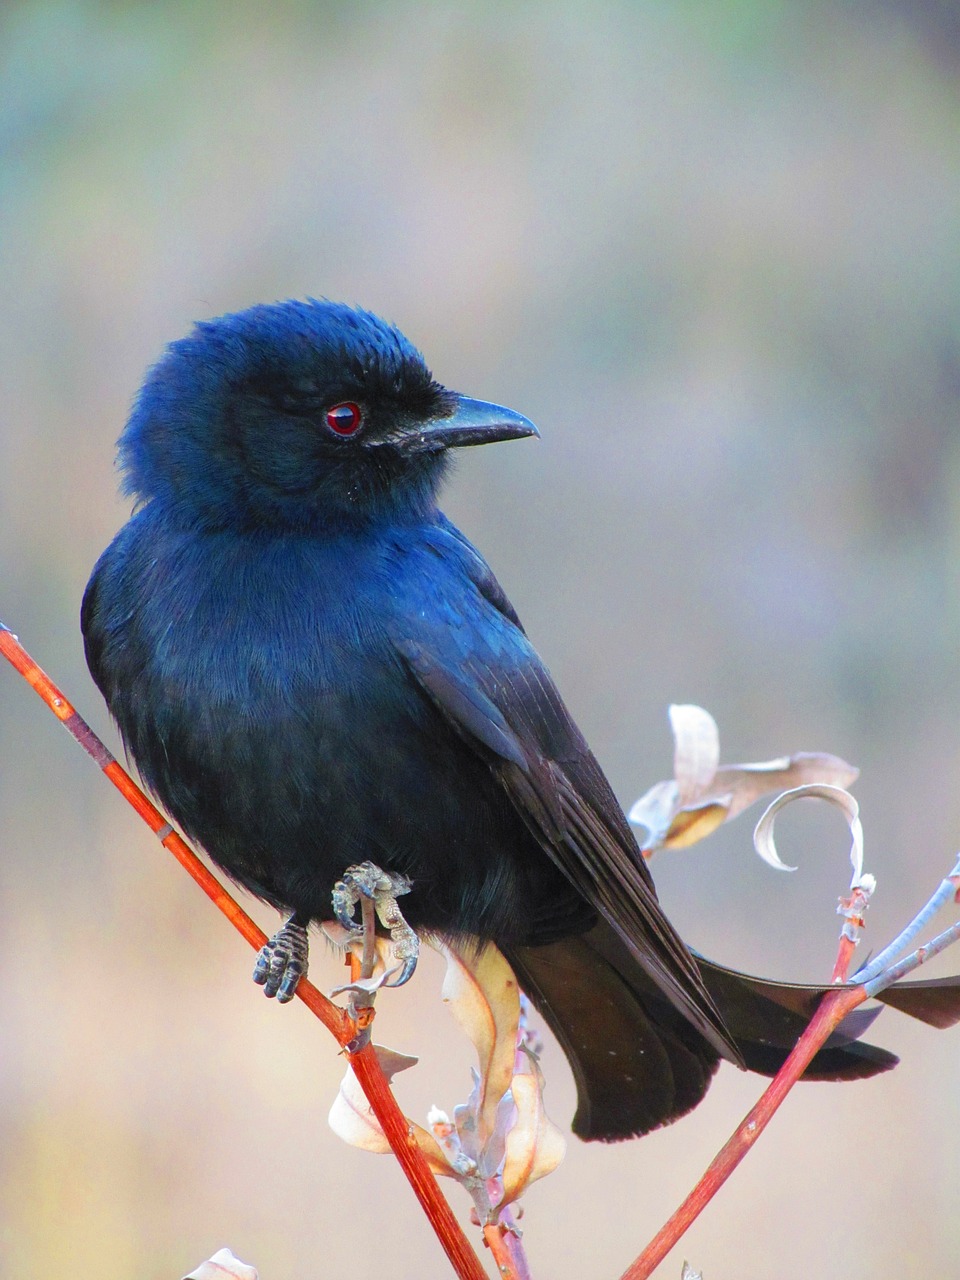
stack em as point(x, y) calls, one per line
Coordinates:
point(712, 250)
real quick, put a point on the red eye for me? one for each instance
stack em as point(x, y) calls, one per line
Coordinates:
point(344, 418)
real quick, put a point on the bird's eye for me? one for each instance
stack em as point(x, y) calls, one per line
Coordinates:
point(344, 419)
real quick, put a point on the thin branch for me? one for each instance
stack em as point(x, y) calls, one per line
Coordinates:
point(947, 889)
point(464, 1260)
point(853, 909)
point(833, 1008)
point(913, 961)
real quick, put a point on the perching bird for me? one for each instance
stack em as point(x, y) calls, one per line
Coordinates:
point(313, 668)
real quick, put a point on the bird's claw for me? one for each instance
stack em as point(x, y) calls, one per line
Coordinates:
point(382, 888)
point(406, 944)
point(345, 898)
point(282, 961)
point(408, 970)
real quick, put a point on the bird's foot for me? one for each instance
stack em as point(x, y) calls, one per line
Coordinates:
point(282, 961)
point(381, 888)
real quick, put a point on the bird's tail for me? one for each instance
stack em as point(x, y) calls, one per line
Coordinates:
point(637, 1062)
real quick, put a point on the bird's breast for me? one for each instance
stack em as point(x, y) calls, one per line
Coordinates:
point(262, 697)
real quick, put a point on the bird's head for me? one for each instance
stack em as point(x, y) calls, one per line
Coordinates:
point(298, 414)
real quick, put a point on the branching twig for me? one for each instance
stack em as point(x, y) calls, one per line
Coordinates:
point(464, 1260)
point(833, 1008)
point(947, 889)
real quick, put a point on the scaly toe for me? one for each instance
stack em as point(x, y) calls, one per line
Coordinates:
point(282, 962)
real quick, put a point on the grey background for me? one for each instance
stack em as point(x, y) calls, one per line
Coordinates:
point(711, 249)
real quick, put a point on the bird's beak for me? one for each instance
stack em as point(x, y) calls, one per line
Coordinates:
point(472, 422)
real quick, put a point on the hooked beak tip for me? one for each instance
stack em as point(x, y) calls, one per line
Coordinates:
point(477, 422)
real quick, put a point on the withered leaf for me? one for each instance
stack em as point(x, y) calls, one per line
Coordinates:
point(352, 1119)
point(534, 1145)
point(483, 996)
point(703, 793)
point(223, 1265)
point(763, 840)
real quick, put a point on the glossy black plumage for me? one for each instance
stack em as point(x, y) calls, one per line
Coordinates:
point(312, 667)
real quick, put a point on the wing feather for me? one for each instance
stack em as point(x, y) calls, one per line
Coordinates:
point(491, 686)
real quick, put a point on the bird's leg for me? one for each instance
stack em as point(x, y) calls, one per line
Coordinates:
point(406, 944)
point(369, 883)
point(282, 961)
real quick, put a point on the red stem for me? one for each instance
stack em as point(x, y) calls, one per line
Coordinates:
point(507, 1250)
point(833, 1008)
point(845, 953)
point(465, 1262)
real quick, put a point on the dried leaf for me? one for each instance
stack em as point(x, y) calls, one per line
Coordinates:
point(368, 986)
point(692, 825)
point(483, 996)
point(763, 840)
point(352, 1119)
point(223, 1266)
point(747, 783)
point(655, 811)
point(534, 1146)
point(337, 934)
point(495, 1147)
point(687, 808)
point(344, 940)
point(503, 1125)
point(448, 1137)
point(696, 751)
point(466, 1118)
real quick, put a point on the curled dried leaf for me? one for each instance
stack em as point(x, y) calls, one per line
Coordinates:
point(495, 1147)
point(344, 940)
point(693, 824)
point(448, 1138)
point(502, 1127)
point(223, 1265)
point(367, 986)
point(501, 1134)
point(655, 811)
point(748, 783)
point(765, 846)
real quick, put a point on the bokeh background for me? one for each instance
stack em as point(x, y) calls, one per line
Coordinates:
point(712, 250)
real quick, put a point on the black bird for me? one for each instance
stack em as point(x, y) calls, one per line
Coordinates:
point(312, 668)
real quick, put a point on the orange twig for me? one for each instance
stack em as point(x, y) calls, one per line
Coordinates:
point(464, 1260)
point(833, 1008)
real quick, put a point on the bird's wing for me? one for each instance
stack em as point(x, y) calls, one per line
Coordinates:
point(468, 655)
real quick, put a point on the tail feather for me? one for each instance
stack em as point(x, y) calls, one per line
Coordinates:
point(637, 1062)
